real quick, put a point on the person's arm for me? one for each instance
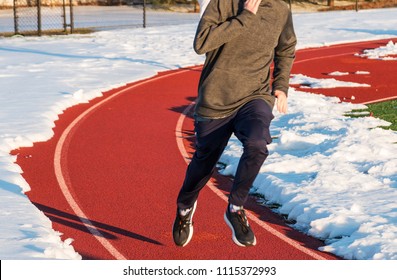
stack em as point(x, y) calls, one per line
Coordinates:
point(284, 56)
point(211, 33)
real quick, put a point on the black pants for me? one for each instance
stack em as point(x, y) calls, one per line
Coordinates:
point(250, 124)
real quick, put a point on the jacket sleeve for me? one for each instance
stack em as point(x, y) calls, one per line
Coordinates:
point(284, 56)
point(212, 32)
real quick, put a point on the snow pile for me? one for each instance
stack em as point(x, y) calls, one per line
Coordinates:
point(338, 73)
point(309, 82)
point(63, 250)
point(388, 52)
point(26, 233)
point(362, 73)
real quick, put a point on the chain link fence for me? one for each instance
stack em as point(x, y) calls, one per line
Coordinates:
point(37, 17)
point(33, 17)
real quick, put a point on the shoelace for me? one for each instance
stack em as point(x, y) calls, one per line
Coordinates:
point(243, 220)
point(184, 222)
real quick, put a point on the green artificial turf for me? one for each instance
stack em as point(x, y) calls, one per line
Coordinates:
point(383, 110)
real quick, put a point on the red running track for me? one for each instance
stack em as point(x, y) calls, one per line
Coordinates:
point(318, 63)
point(110, 176)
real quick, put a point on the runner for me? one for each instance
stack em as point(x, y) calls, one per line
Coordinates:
point(235, 96)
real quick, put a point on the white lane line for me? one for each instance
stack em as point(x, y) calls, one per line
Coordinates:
point(63, 177)
point(210, 184)
point(321, 57)
point(380, 100)
point(343, 45)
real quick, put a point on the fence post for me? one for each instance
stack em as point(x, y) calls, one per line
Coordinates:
point(356, 5)
point(144, 13)
point(39, 17)
point(71, 16)
point(64, 16)
point(15, 18)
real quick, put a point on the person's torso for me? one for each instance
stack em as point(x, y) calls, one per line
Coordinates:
point(239, 71)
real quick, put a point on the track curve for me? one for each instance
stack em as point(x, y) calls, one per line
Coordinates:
point(110, 175)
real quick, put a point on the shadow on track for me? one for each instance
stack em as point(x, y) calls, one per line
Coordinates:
point(78, 223)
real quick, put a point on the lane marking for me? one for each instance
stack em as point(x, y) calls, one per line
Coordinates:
point(63, 177)
point(321, 57)
point(380, 100)
point(210, 184)
point(344, 45)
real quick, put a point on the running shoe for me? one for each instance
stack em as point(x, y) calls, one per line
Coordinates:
point(182, 229)
point(242, 233)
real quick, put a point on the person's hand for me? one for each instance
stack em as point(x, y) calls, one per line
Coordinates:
point(252, 5)
point(281, 101)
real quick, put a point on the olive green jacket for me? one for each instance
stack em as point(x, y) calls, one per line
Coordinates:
point(240, 48)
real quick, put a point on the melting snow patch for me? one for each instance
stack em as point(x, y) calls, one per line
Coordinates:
point(388, 52)
point(309, 82)
point(338, 73)
point(362, 73)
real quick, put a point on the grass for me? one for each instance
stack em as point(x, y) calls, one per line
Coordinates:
point(383, 110)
